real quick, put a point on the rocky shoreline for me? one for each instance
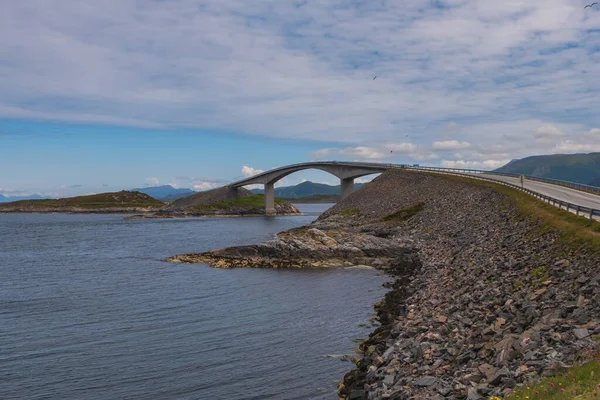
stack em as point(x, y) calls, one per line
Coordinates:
point(485, 299)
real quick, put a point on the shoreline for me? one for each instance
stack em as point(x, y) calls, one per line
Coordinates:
point(484, 300)
point(176, 216)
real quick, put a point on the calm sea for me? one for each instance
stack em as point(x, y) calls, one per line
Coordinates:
point(89, 311)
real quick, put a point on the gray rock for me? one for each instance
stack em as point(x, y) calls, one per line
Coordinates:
point(562, 264)
point(581, 333)
point(473, 395)
point(357, 395)
point(496, 379)
point(389, 379)
point(426, 381)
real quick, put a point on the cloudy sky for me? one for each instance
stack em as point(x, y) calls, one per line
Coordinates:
point(125, 93)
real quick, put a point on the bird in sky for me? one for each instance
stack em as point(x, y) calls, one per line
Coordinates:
point(590, 5)
point(375, 77)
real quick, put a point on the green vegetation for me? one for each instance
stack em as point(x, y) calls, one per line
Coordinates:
point(351, 212)
point(317, 198)
point(581, 168)
point(582, 382)
point(122, 199)
point(405, 213)
point(254, 201)
point(541, 274)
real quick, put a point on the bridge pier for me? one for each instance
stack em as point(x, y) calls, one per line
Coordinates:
point(270, 199)
point(347, 187)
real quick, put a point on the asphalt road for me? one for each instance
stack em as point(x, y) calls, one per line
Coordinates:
point(572, 196)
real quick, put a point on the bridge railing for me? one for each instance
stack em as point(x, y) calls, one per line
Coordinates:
point(573, 185)
point(588, 212)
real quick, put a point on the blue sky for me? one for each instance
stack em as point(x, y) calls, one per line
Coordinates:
point(116, 94)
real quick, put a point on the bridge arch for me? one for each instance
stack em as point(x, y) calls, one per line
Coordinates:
point(345, 171)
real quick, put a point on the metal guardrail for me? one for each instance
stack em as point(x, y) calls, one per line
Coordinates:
point(573, 185)
point(588, 212)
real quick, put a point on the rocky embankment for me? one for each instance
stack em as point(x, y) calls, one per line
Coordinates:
point(484, 298)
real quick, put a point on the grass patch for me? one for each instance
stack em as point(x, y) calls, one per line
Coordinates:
point(576, 232)
point(254, 201)
point(541, 274)
point(405, 213)
point(582, 382)
point(351, 212)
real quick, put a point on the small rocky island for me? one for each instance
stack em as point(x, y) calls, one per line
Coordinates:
point(492, 289)
point(224, 201)
point(124, 202)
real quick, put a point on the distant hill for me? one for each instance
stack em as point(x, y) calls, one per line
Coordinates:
point(102, 201)
point(165, 192)
point(317, 199)
point(5, 199)
point(219, 195)
point(580, 168)
point(306, 189)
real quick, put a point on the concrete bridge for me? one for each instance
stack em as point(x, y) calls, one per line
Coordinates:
point(345, 171)
point(574, 197)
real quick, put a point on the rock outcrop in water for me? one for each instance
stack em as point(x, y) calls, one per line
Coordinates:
point(485, 298)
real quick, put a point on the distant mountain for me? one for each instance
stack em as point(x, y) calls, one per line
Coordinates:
point(580, 168)
point(306, 189)
point(8, 199)
point(165, 192)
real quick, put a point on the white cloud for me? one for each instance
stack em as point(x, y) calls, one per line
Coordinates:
point(451, 126)
point(152, 181)
point(450, 145)
point(424, 156)
point(593, 132)
point(485, 165)
point(200, 186)
point(321, 154)
point(366, 179)
point(549, 131)
point(364, 153)
point(404, 148)
point(303, 71)
point(249, 171)
point(574, 147)
point(372, 153)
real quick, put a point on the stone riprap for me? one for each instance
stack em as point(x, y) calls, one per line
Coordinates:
point(484, 298)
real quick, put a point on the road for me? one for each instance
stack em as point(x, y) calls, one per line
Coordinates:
point(569, 195)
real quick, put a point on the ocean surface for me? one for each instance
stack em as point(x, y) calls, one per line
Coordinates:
point(88, 310)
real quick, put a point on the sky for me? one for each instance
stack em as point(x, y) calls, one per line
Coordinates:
point(111, 95)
